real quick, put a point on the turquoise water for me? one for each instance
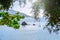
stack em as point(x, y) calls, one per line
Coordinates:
point(24, 33)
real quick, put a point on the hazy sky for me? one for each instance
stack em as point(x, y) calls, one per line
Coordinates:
point(27, 9)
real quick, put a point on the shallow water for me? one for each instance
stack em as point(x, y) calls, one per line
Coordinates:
point(8, 33)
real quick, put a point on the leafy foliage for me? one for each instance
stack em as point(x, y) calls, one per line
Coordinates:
point(10, 20)
point(6, 4)
point(52, 9)
point(36, 8)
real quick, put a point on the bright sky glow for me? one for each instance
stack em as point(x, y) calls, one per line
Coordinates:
point(27, 9)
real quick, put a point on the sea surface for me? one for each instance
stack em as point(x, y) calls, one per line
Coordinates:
point(28, 32)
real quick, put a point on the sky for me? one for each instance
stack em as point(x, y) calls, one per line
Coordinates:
point(27, 9)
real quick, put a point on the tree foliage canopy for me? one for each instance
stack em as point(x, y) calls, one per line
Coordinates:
point(5, 4)
point(52, 12)
point(10, 20)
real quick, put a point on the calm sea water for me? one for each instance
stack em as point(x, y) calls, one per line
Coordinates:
point(28, 32)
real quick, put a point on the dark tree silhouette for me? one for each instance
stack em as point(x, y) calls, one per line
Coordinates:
point(52, 12)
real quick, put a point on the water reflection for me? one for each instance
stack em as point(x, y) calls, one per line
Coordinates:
point(8, 33)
